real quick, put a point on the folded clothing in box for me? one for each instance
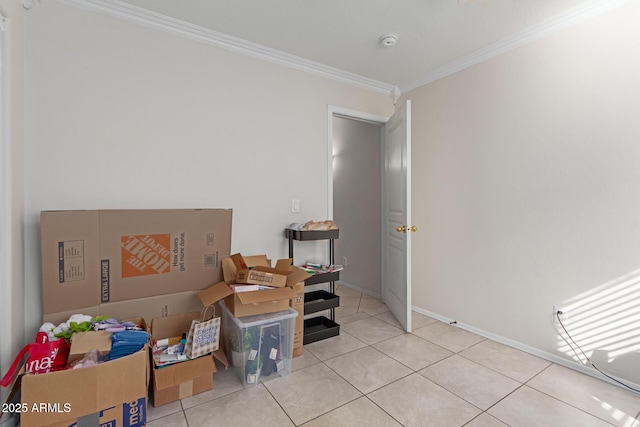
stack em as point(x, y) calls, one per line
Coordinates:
point(125, 343)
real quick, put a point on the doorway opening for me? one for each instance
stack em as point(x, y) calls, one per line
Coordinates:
point(356, 197)
point(390, 263)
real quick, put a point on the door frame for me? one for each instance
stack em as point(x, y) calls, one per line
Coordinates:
point(367, 117)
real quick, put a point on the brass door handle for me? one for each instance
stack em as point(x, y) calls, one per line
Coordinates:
point(406, 228)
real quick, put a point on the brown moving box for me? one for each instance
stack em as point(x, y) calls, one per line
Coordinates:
point(297, 304)
point(184, 379)
point(229, 271)
point(95, 257)
point(63, 397)
point(114, 391)
point(248, 303)
point(284, 274)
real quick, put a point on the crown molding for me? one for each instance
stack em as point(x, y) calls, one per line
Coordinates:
point(560, 22)
point(194, 32)
point(184, 29)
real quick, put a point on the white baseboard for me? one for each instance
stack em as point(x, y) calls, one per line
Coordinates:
point(361, 290)
point(571, 364)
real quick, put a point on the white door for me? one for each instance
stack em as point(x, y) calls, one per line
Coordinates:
point(396, 283)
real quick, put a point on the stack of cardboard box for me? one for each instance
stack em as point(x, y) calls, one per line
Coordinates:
point(278, 288)
point(156, 265)
point(124, 264)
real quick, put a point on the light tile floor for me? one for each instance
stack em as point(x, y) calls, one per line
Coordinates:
point(374, 374)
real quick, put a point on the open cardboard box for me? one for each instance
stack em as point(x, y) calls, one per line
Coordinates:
point(283, 274)
point(184, 379)
point(229, 270)
point(113, 392)
point(249, 303)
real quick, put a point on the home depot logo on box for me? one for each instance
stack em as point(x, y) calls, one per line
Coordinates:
point(146, 254)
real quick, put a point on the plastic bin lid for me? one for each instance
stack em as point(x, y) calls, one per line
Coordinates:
point(259, 319)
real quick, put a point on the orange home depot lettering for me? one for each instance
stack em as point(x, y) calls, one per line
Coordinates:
point(146, 254)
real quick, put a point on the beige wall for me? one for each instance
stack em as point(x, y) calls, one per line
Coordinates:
point(12, 188)
point(357, 175)
point(123, 116)
point(526, 191)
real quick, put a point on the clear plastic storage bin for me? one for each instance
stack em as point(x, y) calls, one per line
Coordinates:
point(260, 346)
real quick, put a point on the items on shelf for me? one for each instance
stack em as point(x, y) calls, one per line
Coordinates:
point(314, 226)
point(318, 268)
point(318, 327)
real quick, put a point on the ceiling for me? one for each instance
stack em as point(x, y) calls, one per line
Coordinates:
point(340, 37)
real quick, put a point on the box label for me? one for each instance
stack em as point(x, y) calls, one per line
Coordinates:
point(211, 260)
point(105, 291)
point(260, 277)
point(70, 261)
point(149, 254)
point(134, 414)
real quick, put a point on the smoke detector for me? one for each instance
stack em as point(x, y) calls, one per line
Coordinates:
point(388, 40)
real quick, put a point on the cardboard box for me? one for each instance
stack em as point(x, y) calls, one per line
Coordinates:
point(95, 257)
point(180, 380)
point(152, 307)
point(229, 271)
point(248, 303)
point(284, 274)
point(62, 397)
point(147, 308)
point(131, 414)
point(83, 342)
point(297, 304)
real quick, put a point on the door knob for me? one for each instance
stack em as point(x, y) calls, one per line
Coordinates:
point(401, 229)
point(414, 228)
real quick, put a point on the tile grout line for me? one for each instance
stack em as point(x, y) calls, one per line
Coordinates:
point(278, 403)
point(560, 400)
point(366, 396)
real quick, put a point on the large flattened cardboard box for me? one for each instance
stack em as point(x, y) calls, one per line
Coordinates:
point(90, 258)
point(180, 380)
point(114, 393)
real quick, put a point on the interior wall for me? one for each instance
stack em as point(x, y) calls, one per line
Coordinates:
point(525, 190)
point(357, 175)
point(123, 116)
point(12, 188)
